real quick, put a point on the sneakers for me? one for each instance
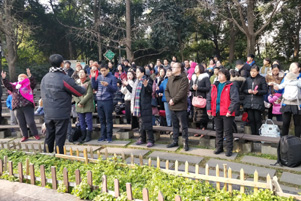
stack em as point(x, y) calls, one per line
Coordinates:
point(229, 153)
point(101, 140)
point(24, 139)
point(37, 137)
point(139, 142)
point(174, 144)
point(186, 147)
point(149, 144)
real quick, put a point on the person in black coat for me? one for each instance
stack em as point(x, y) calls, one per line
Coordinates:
point(141, 106)
point(255, 88)
point(199, 86)
point(239, 82)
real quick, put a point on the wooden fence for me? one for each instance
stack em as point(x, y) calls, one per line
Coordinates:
point(227, 180)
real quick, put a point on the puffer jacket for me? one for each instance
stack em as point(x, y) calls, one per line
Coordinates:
point(252, 101)
point(105, 93)
point(57, 89)
point(177, 89)
point(86, 100)
point(162, 88)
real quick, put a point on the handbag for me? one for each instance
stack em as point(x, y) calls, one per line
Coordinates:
point(199, 102)
point(269, 130)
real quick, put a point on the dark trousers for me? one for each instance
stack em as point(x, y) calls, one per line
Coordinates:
point(255, 120)
point(85, 119)
point(143, 132)
point(105, 113)
point(178, 117)
point(25, 116)
point(223, 125)
point(128, 111)
point(56, 131)
point(286, 123)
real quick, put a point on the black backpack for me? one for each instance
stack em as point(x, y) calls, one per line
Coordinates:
point(288, 151)
point(75, 133)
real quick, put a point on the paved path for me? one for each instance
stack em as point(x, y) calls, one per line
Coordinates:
point(14, 191)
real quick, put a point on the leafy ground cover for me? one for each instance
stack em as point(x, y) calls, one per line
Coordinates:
point(140, 177)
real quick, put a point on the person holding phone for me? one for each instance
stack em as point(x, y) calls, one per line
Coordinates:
point(255, 88)
point(106, 86)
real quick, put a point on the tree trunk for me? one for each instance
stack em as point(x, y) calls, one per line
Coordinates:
point(129, 53)
point(232, 43)
point(99, 46)
point(71, 57)
point(251, 42)
point(297, 37)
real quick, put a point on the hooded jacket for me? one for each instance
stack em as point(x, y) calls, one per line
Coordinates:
point(86, 100)
point(177, 89)
point(229, 101)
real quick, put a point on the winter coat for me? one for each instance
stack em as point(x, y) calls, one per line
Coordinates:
point(126, 92)
point(86, 100)
point(162, 88)
point(9, 102)
point(145, 104)
point(105, 93)
point(121, 76)
point(57, 89)
point(252, 101)
point(18, 100)
point(176, 89)
point(291, 85)
point(229, 101)
point(275, 100)
point(245, 71)
point(264, 70)
point(118, 97)
point(69, 71)
point(203, 83)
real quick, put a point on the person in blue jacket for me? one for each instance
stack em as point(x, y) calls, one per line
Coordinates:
point(106, 86)
point(13, 120)
point(161, 92)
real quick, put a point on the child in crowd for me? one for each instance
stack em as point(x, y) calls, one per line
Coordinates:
point(13, 120)
point(40, 110)
point(275, 100)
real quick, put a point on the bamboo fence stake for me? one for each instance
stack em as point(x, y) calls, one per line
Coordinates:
point(255, 180)
point(141, 160)
point(167, 165)
point(65, 150)
point(10, 168)
point(149, 162)
point(186, 167)
point(104, 184)
point(32, 174)
point(77, 177)
point(57, 149)
point(71, 151)
point(176, 166)
point(1, 167)
point(218, 185)
point(116, 188)
point(242, 178)
point(207, 172)
point(98, 154)
point(26, 148)
point(8, 146)
point(160, 196)
point(129, 191)
point(54, 178)
point(66, 179)
point(77, 152)
point(225, 176)
point(158, 163)
point(27, 166)
point(197, 168)
point(106, 154)
point(5, 163)
point(230, 177)
point(91, 153)
point(47, 148)
point(33, 149)
point(20, 170)
point(145, 194)
point(90, 179)
point(123, 156)
point(43, 176)
point(86, 156)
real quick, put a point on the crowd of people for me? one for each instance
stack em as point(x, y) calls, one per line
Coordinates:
point(177, 92)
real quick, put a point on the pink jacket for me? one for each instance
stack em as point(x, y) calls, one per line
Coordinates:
point(276, 102)
point(191, 70)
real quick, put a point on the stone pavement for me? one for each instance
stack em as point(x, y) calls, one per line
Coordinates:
point(289, 178)
point(14, 191)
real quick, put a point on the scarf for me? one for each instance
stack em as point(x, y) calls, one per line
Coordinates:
point(25, 89)
point(137, 112)
point(55, 69)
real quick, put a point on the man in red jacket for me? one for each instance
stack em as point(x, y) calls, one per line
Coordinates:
point(223, 110)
